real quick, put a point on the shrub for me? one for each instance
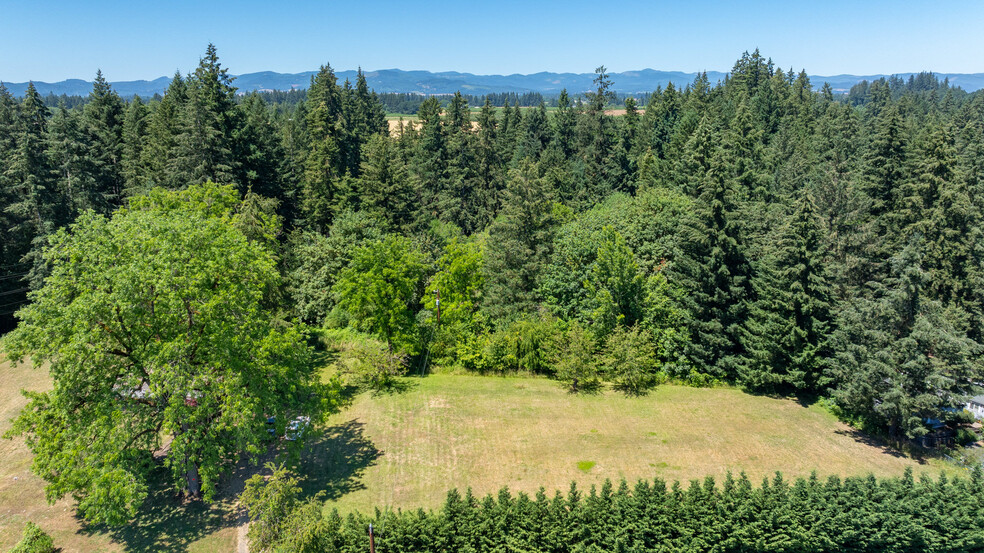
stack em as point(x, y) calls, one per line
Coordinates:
point(630, 360)
point(34, 540)
point(364, 360)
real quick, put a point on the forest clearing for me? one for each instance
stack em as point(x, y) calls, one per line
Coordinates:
point(406, 450)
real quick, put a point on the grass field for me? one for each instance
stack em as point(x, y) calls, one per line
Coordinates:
point(406, 450)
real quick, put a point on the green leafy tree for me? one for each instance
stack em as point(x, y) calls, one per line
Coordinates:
point(314, 262)
point(458, 283)
point(34, 540)
point(153, 325)
point(630, 360)
point(616, 285)
point(573, 359)
point(379, 289)
point(279, 519)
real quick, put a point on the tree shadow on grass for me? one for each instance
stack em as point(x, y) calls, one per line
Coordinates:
point(166, 521)
point(334, 460)
point(885, 446)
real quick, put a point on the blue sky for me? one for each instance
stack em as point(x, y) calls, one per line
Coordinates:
point(50, 41)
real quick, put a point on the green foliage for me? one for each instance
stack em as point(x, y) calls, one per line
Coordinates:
point(155, 329)
point(857, 514)
point(630, 360)
point(789, 324)
point(314, 262)
point(380, 289)
point(459, 282)
point(900, 361)
point(521, 346)
point(364, 360)
point(573, 359)
point(34, 540)
point(616, 285)
point(518, 245)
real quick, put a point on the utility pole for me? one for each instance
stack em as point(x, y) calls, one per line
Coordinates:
point(372, 540)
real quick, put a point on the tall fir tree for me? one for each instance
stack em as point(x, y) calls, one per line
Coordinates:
point(717, 276)
point(103, 124)
point(135, 123)
point(204, 149)
point(518, 245)
point(159, 158)
point(790, 322)
point(323, 162)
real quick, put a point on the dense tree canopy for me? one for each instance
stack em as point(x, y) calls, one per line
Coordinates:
point(154, 326)
point(763, 230)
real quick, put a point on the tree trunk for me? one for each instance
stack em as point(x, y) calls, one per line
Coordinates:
point(193, 483)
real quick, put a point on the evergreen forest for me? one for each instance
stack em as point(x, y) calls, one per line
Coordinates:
point(762, 232)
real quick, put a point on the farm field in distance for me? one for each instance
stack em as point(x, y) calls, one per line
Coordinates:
point(406, 450)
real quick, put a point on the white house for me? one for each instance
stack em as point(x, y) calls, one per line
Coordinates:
point(976, 406)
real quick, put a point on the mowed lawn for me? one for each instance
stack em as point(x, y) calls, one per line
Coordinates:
point(406, 450)
point(164, 525)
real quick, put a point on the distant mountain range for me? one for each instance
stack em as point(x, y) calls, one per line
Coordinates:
point(426, 82)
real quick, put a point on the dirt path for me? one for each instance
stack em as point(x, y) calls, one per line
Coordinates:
point(234, 487)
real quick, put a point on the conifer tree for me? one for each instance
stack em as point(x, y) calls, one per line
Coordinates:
point(900, 362)
point(565, 124)
point(135, 124)
point(717, 276)
point(103, 120)
point(204, 149)
point(74, 168)
point(387, 190)
point(258, 150)
point(160, 156)
point(885, 166)
point(790, 322)
point(323, 164)
point(518, 245)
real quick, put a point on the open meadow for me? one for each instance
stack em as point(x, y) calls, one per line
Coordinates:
point(407, 449)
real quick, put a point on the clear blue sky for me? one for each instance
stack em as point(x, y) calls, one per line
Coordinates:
point(50, 41)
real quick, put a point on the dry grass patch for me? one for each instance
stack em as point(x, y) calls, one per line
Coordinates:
point(485, 432)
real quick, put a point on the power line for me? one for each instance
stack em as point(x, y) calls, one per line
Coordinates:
point(14, 275)
point(25, 300)
point(17, 291)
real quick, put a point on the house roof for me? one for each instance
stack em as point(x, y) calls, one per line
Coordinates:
point(978, 400)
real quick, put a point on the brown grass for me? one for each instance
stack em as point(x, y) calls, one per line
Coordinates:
point(484, 432)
